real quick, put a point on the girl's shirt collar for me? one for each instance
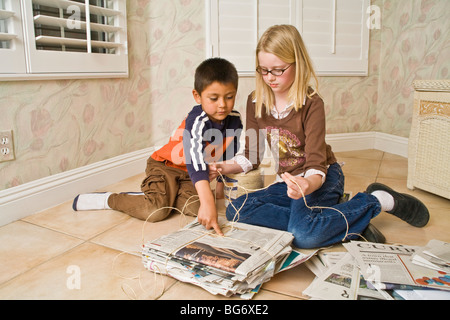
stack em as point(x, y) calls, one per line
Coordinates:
point(285, 112)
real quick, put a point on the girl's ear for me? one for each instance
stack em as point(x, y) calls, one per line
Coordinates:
point(197, 96)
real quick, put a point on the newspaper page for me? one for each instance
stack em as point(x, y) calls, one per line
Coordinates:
point(435, 255)
point(320, 263)
point(340, 282)
point(439, 250)
point(381, 262)
point(384, 263)
point(297, 257)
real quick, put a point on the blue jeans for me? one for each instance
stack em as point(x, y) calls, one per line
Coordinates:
point(315, 228)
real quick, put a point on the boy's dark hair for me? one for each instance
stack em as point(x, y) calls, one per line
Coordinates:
point(215, 69)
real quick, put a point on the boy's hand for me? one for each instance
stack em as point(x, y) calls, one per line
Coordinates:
point(207, 216)
point(207, 213)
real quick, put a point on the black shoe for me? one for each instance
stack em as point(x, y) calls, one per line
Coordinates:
point(372, 234)
point(406, 207)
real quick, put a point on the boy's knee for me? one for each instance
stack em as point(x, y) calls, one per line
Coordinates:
point(155, 216)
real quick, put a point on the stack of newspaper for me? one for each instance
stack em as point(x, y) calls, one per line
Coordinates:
point(382, 271)
point(237, 263)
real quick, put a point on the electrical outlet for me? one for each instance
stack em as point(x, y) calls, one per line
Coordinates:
point(6, 146)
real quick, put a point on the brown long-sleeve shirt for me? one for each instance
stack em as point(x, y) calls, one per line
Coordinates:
point(297, 141)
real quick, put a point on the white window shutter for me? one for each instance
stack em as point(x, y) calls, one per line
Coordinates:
point(334, 31)
point(236, 26)
point(76, 36)
point(12, 56)
point(235, 32)
point(336, 35)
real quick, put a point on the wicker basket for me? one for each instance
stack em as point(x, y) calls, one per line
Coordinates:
point(429, 141)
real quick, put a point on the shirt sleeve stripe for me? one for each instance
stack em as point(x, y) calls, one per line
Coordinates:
point(196, 142)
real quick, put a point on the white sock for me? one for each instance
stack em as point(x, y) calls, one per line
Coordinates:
point(91, 201)
point(385, 199)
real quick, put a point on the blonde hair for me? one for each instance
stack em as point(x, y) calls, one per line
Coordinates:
point(285, 42)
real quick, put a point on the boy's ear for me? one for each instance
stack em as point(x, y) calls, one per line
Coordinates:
point(197, 96)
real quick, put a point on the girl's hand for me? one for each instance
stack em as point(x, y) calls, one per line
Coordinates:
point(214, 170)
point(293, 190)
point(225, 167)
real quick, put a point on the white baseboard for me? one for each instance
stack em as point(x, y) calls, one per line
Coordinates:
point(29, 198)
point(368, 140)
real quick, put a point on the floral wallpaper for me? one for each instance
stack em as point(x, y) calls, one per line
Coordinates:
point(412, 44)
point(61, 125)
point(415, 45)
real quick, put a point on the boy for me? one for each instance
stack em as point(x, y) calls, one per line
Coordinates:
point(185, 165)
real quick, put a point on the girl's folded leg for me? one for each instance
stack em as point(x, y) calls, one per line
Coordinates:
point(324, 227)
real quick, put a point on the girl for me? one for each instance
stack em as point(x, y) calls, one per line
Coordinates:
point(287, 111)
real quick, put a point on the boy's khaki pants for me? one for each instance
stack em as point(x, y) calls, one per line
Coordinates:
point(164, 187)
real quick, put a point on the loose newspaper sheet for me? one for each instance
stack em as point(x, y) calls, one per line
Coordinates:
point(339, 282)
point(245, 257)
point(436, 255)
point(381, 271)
point(393, 264)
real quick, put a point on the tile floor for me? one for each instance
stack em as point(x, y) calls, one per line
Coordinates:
point(62, 254)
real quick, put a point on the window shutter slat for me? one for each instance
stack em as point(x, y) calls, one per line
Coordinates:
point(5, 14)
point(65, 4)
point(7, 36)
point(61, 22)
point(43, 40)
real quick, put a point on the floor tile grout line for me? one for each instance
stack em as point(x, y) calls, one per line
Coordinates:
point(41, 263)
point(379, 166)
point(50, 229)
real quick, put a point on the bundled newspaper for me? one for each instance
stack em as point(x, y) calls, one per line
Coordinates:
point(382, 271)
point(237, 263)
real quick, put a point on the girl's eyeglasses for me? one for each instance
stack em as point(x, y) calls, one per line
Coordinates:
point(275, 72)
